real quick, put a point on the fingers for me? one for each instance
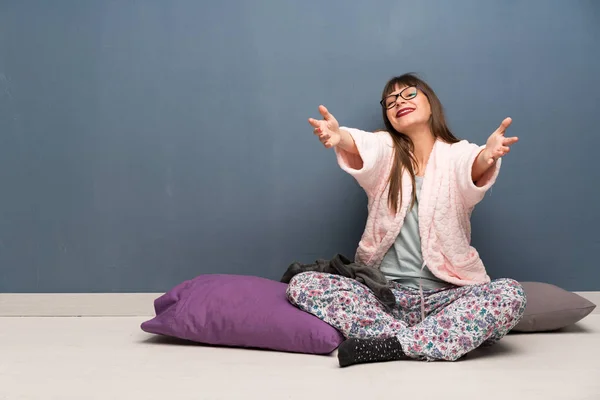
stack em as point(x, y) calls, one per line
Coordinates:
point(499, 153)
point(504, 125)
point(325, 141)
point(320, 126)
point(510, 141)
point(325, 113)
point(323, 137)
point(319, 132)
point(314, 122)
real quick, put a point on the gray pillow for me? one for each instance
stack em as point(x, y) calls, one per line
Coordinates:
point(550, 308)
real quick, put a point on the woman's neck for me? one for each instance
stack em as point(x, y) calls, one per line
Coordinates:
point(423, 142)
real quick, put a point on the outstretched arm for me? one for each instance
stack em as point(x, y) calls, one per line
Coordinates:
point(330, 134)
point(497, 146)
point(364, 155)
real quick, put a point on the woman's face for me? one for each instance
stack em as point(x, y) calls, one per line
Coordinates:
point(407, 108)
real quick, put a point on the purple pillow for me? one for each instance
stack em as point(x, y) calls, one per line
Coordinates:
point(240, 311)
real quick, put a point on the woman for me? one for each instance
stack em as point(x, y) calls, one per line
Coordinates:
point(422, 184)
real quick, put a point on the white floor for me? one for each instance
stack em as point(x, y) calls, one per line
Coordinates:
point(111, 358)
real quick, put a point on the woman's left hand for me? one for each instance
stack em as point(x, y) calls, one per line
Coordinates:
point(497, 144)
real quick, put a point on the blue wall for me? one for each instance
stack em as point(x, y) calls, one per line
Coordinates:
point(143, 143)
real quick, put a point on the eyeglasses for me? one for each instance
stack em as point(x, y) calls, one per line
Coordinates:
point(407, 93)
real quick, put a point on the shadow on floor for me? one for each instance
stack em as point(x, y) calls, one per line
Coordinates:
point(500, 349)
point(166, 340)
point(171, 341)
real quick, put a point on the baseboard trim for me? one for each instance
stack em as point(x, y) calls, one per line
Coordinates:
point(107, 304)
point(77, 304)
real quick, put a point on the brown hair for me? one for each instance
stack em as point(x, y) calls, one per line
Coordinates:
point(403, 146)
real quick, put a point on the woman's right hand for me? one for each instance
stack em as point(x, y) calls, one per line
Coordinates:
point(327, 130)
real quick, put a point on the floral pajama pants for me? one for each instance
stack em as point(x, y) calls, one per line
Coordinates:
point(457, 320)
